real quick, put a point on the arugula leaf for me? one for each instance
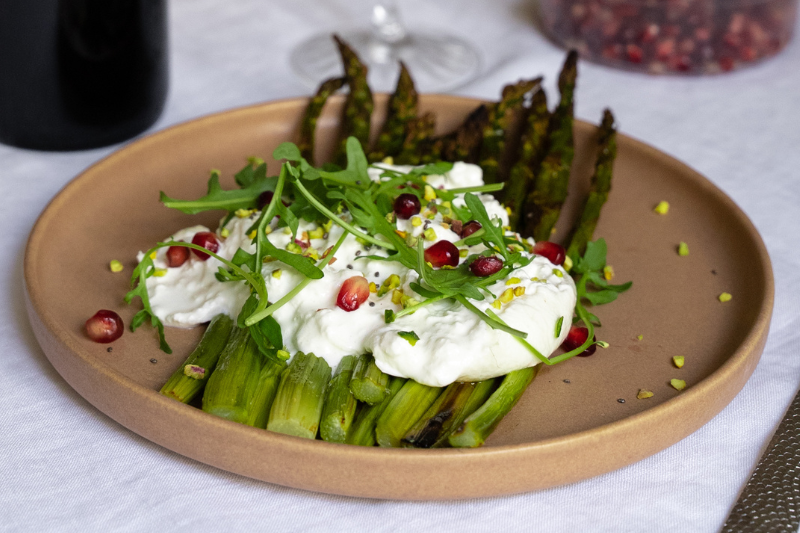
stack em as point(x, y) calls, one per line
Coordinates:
point(493, 233)
point(219, 199)
point(254, 171)
point(144, 270)
point(288, 151)
point(355, 175)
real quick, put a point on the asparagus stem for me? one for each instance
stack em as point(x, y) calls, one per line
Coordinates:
point(340, 404)
point(235, 380)
point(368, 383)
point(184, 388)
point(402, 109)
point(359, 105)
point(543, 204)
point(362, 431)
point(436, 419)
point(462, 144)
point(263, 395)
point(523, 173)
point(481, 392)
point(298, 404)
point(496, 130)
point(308, 126)
point(403, 411)
point(480, 424)
point(598, 192)
point(420, 131)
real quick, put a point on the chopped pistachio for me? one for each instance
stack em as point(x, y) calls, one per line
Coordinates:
point(224, 233)
point(411, 241)
point(644, 394)
point(608, 272)
point(152, 255)
point(408, 301)
point(243, 213)
point(513, 281)
point(430, 194)
point(160, 272)
point(392, 282)
point(397, 296)
point(283, 354)
point(277, 273)
point(429, 234)
point(640, 337)
point(557, 273)
point(267, 229)
point(519, 291)
point(463, 253)
point(287, 231)
point(568, 263)
point(683, 249)
point(678, 360)
point(662, 208)
point(115, 266)
point(508, 210)
point(445, 225)
point(507, 296)
point(725, 297)
point(497, 304)
point(294, 248)
point(388, 160)
point(328, 225)
point(251, 235)
point(317, 233)
point(312, 253)
point(430, 215)
point(677, 384)
point(194, 371)
point(373, 288)
point(416, 221)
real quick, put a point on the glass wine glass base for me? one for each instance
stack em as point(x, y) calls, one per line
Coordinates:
point(438, 63)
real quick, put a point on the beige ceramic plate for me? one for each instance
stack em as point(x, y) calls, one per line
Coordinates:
point(571, 424)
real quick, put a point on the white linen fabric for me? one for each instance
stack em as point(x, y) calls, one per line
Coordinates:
point(64, 466)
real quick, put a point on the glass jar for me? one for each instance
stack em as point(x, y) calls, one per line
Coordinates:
point(671, 36)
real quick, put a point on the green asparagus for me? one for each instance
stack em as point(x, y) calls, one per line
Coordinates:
point(462, 144)
point(402, 109)
point(436, 420)
point(298, 404)
point(419, 133)
point(523, 173)
point(480, 424)
point(598, 192)
point(368, 383)
point(403, 411)
point(362, 431)
point(543, 204)
point(340, 404)
point(358, 106)
point(308, 126)
point(183, 387)
point(260, 402)
point(495, 132)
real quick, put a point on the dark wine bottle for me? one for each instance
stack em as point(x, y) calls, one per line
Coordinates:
point(77, 74)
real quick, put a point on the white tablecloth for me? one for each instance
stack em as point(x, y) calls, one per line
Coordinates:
point(65, 466)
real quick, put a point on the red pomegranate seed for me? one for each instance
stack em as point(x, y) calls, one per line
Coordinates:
point(207, 240)
point(575, 338)
point(469, 228)
point(486, 266)
point(353, 293)
point(177, 255)
point(555, 253)
point(104, 327)
point(635, 53)
point(406, 206)
point(265, 198)
point(443, 253)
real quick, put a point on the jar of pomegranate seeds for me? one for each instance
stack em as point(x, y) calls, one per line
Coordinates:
point(671, 36)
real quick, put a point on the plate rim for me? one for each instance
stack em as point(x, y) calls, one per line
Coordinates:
point(734, 372)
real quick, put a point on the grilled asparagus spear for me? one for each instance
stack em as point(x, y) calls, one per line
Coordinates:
point(419, 133)
point(598, 192)
point(495, 131)
point(403, 411)
point(543, 204)
point(362, 431)
point(298, 404)
point(480, 424)
point(368, 383)
point(308, 126)
point(402, 109)
point(183, 387)
point(340, 404)
point(359, 105)
point(523, 173)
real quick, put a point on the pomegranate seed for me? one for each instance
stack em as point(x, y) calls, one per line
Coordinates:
point(469, 228)
point(486, 266)
point(555, 253)
point(265, 198)
point(353, 293)
point(406, 206)
point(634, 53)
point(443, 253)
point(207, 240)
point(177, 255)
point(104, 327)
point(726, 64)
point(575, 338)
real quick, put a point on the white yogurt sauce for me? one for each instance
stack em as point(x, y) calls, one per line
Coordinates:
point(454, 344)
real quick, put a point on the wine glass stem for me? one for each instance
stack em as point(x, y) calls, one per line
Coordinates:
point(386, 23)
